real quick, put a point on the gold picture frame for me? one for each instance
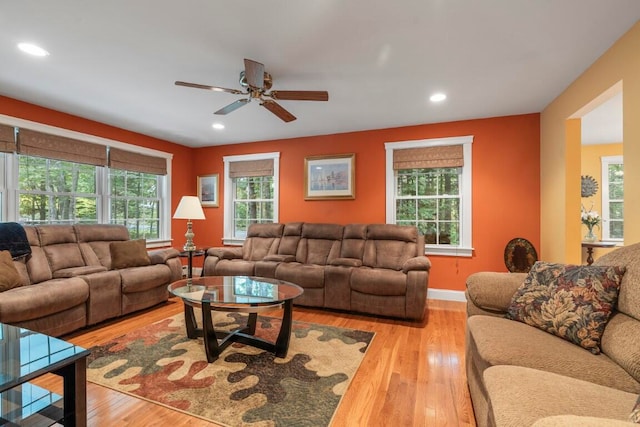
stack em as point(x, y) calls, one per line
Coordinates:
point(330, 177)
point(208, 190)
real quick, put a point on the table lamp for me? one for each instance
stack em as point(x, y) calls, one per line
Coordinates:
point(189, 208)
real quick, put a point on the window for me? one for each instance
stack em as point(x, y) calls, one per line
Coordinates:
point(56, 191)
point(250, 193)
point(429, 186)
point(60, 176)
point(135, 202)
point(612, 198)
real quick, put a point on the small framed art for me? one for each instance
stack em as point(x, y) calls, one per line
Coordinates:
point(330, 177)
point(208, 190)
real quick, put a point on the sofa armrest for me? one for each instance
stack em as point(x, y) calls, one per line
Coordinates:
point(347, 262)
point(493, 291)
point(226, 253)
point(279, 258)
point(160, 256)
point(419, 263)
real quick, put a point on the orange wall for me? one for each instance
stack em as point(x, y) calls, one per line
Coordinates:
point(506, 180)
point(182, 162)
point(506, 185)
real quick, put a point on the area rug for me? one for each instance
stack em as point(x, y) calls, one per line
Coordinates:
point(245, 386)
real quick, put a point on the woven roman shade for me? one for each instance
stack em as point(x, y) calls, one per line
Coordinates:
point(447, 156)
point(263, 167)
point(32, 143)
point(136, 162)
point(7, 139)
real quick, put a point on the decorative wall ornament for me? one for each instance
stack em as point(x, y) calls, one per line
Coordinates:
point(208, 190)
point(330, 177)
point(589, 186)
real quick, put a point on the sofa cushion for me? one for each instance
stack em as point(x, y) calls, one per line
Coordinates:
point(520, 396)
point(9, 276)
point(262, 240)
point(570, 301)
point(620, 342)
point(390, 246)
point(63, 255)
point(379, 281)
point(635, 413)
point(144, 278)
point(498, 341)
point(629, 296)
point(78, 271)
point(129, 253)
point(304, 275)
point(43, 299)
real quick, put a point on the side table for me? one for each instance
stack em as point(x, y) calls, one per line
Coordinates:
point(591, 245)
point(189, 255)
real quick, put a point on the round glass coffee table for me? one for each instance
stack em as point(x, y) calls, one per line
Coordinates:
point(243, 294)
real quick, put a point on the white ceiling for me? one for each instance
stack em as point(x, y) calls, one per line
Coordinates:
point(603, 125)
point(116, 61)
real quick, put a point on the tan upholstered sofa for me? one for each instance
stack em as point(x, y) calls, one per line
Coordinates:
point(378, 269)
point(67, 282)
point(520, 376)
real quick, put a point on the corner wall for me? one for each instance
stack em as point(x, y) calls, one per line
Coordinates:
point(560, 207)
point(506, 191)
point(182, 181)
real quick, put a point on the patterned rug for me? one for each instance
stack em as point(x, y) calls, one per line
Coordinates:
point(245, 386)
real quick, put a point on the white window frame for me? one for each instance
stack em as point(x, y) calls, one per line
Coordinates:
point(11, 188)
point(606, 161)
point(465, 248)
point(228, 236)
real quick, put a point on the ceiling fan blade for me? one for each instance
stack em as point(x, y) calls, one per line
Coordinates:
point(254, 72)
point(277, 109)
point(300, 95)
point(233, 106)
point(213, 88)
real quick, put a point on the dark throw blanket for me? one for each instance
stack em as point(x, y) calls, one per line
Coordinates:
point(13, 238)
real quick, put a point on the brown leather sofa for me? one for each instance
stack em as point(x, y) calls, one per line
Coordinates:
point(521, 376)
point(68, 281)
point(377, 269)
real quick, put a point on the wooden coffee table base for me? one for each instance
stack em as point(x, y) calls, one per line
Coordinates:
point(216, 341)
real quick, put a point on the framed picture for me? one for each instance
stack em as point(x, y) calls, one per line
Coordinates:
point(208, 190)
point(330, 177)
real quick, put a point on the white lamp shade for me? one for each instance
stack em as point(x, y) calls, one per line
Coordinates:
point(189, 208)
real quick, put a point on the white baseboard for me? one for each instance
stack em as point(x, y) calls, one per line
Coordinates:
point(446, 294)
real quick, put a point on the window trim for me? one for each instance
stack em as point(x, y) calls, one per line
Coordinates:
point(465, 248)
point(228, 238)
point(11, 205)
point(606, 161)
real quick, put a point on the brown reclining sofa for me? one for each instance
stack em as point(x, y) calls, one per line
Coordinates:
point(68, 281)
point(377, 269)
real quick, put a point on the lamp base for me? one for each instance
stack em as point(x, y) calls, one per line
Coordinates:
point(189, 235)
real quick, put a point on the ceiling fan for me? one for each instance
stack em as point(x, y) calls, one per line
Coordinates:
point(258, 84)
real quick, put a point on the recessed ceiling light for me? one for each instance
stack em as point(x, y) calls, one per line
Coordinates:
point(32, 49)
point(437, 97)
point(218, 126)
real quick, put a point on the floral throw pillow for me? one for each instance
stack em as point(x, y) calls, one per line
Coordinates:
point(635, 414)
point(571, 301)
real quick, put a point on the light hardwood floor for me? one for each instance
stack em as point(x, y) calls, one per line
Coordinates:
point(413, 374)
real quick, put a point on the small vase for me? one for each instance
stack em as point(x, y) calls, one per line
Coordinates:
point(590, 237)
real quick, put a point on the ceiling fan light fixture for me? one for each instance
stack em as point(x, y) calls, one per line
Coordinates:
point(32, 49)
point(438, 97)
point(217, 126)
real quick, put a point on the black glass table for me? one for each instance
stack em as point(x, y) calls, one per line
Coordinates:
point(26, 355)
point(243, 294)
